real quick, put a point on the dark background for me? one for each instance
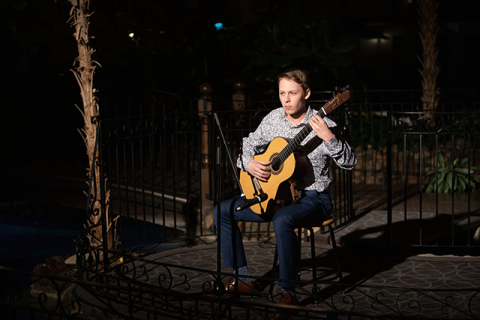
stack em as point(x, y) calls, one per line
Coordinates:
point(373, 44)
point(368, 44)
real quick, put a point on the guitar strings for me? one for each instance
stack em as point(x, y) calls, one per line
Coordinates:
point(297, 140)
point(292, 145)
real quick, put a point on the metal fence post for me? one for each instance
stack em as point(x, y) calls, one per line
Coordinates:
point(204, 111)
point(389, 170)
point(238, 96)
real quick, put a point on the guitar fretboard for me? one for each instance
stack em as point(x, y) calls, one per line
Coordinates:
point(293, 144)
point(331, 105)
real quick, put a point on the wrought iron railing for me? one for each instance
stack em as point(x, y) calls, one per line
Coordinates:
point(154, 165)
point(144, 289)
point(435, 164)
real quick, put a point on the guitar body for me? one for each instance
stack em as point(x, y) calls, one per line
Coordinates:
point(277, 187)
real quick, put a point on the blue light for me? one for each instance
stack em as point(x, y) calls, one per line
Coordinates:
point(219, 26)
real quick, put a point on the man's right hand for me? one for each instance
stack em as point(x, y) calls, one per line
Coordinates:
point(259, 169)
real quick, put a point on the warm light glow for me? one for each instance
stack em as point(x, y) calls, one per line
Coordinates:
point(379, 40)
point(131, 34)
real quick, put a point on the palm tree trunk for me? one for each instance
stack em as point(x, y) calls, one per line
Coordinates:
point(84, 69)
point(427, 10)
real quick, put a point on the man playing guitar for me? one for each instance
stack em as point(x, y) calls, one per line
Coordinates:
point(313, 203)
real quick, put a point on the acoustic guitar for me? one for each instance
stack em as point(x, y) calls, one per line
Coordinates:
point(288, 162)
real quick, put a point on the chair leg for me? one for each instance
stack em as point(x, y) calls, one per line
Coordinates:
point(314, 263)
point(334, 246)
point(299, 252)
point(272, 281)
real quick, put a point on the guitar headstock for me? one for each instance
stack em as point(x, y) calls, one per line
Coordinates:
point(337, 100)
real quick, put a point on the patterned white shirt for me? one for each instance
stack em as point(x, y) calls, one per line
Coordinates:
point(318, 152)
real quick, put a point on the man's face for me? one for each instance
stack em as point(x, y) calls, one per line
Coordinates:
point(292, 96)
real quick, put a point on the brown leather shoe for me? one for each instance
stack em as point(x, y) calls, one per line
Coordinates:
point(242, 286)
point(286, 299)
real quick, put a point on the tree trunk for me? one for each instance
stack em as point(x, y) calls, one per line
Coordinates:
point(427, 10)
point(84, 69)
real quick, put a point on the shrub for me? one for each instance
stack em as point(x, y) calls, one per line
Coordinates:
point(462, 179)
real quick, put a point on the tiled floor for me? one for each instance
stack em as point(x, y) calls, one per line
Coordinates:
point(377, 283)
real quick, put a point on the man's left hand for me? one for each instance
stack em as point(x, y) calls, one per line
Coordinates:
point(320, 128)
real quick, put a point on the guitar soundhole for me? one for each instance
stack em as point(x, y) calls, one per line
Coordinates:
point(276, 166)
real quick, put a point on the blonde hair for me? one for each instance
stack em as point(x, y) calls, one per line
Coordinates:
point(297, 75)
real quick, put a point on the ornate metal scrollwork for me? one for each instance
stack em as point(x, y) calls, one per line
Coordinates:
point(412, 304)
point(162, 278)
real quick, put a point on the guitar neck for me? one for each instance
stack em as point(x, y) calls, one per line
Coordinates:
point(295, 142)
point(331, 105)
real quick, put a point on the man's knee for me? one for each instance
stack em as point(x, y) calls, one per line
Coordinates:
point(282, 223)
point(225, 215)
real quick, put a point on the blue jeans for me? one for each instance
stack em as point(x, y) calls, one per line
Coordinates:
point(313, 207)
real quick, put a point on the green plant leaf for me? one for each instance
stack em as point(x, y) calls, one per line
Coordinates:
point(451, 177)
point(461, 170)
point(455, 163)
point(429, 187)
point(472, 170)
point(441, 160)
point(463, 162)
point(442, 174)
point(441, 186)
point(438, 170)
point(448, 181)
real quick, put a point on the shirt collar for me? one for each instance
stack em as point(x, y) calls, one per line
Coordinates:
point(310, 113)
